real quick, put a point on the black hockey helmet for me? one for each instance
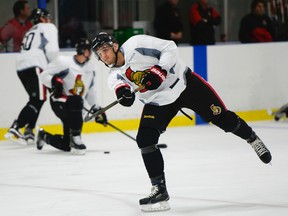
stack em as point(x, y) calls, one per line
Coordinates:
point(82, 45)
point(101, 39)
point(39, 12)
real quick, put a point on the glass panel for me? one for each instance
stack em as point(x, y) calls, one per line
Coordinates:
point(89, 17)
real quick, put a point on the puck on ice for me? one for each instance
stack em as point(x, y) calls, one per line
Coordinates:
point(106, 152)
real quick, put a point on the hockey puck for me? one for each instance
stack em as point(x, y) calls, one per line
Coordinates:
point(162, 145)
point(106, 152)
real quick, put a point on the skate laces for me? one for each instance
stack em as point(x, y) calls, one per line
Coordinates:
point(154, 191)
point(259, 147)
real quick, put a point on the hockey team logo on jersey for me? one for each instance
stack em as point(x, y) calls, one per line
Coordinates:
point(136, 76)
point(215, 109)
point(78, 87)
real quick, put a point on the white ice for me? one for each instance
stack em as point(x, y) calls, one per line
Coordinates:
point(208, 173)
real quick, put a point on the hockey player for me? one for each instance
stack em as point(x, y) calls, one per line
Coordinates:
point(169, 86)
point(39, 47)
point(71, 79)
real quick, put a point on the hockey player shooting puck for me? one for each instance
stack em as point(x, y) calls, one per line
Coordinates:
point(106, 152)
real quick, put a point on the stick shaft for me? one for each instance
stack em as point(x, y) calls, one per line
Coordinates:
point(184, 113)
point(99, 112)
point(118, 129)
point(121, 131)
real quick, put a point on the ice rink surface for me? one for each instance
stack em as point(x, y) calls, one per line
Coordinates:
point(208, 173)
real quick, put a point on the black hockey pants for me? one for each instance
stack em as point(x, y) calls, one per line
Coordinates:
point(198, 96)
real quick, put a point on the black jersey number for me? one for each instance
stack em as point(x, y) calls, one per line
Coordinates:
point(26, 45)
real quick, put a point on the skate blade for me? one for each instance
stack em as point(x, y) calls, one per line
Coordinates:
point(13, 138)
point(77, 151)
point(160, 206)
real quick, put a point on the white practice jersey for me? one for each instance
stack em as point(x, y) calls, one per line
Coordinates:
point(79, 79)
point(141, 53)
point(39, 46)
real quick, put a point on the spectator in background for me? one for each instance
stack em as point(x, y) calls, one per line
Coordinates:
point(277, 10)
point(15, 28)
point(203, 18)
point(167, 22)
point(70, 31)
point(256, 26)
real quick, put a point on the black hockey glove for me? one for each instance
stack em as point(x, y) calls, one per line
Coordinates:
point(57, 86)
point(102, 118)
point(154, 78)
point(124, 92)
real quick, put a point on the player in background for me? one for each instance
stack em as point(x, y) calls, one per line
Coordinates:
point(169, 85)
point(39, 47)
point(72, 82)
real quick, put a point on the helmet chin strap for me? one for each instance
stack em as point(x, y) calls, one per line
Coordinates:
point(116, 59)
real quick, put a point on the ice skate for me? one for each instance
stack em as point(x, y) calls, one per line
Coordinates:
point(77, 146)
point(261, 150)
point(15, 135)
point(29, 136)
point(280, 113)
point(157, 200)
point(40, 138)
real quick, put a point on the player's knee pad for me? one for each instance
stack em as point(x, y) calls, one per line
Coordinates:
point(228, 121)
point(74, 103)
point(147, 137)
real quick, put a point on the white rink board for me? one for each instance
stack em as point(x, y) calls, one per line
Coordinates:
point(247, 77)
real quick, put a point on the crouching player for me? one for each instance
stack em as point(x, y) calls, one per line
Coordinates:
point(71, 80)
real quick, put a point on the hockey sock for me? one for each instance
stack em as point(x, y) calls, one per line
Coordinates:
point(153, 162)
point(29, 114)
point(57, 142)
point(230, 122)
point(74, 107)
point(158, 180)
point(244, 130)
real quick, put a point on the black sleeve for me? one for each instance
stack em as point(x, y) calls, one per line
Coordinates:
point(216, 20)
point(161, 24)
point(244, 33)
point(271, 28)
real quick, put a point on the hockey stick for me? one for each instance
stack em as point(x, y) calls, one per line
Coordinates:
point(121, 131)
point(88, 117)
point(184, 113)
